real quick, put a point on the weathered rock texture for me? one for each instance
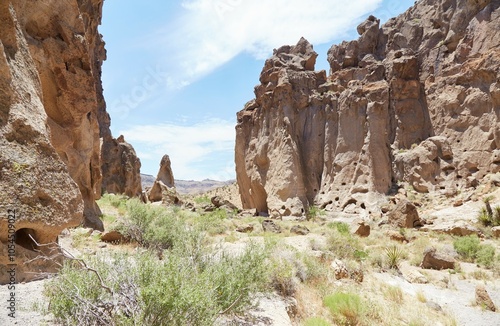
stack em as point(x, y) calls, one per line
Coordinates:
point(51, 110)
point(415, 100)
point(163, 188)
point(120, 167)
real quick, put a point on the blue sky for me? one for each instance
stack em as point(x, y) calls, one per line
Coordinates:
point(178, 71)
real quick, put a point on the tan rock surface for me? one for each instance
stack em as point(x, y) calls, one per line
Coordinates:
point(52, 115)
point(120, 167)
point(48, 125)
point(415, 100)
point(163, 188)
point(483, 299)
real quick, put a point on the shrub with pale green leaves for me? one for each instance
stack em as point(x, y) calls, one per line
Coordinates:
point(141, 290)
point(346, 308)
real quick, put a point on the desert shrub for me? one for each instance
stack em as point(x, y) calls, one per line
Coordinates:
point(116, 201)
point(213, 222)
point(316, 321)
point(394, 256)
point(346, 308)
point(485, 256)
point(342, 244)
point(314, 269)
point(314, 212)
point(177, 290)
point(282, 275)
point(467, 247)
point(77, 296)
point(394, 293)
point(489, 216)
point(483, 217)
point(341, 227)
point(202, 199)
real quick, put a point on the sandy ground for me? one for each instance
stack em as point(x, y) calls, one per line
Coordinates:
point(29, 300)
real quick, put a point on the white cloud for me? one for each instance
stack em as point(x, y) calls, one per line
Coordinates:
point(190, 147)
point(209, 33)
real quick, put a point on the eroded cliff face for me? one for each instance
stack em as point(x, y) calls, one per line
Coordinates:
point(51, 111)
point(415, 100)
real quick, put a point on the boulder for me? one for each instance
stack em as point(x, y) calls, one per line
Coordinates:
point(113, 236)
point(299, 229)
point(436, 260)
point(340, 269)
point(496, 231)
point(163, 188)
point(270, 226)
point(245, 228)
point(483, 299)
point(396, 236)
point(361, 229)
point(219, 202)
point(404, 215)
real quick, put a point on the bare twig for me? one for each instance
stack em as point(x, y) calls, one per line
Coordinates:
point(71, 257)
point(232, 305)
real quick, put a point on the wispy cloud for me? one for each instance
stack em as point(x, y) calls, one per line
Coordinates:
point(209, 33)
point(189, 147)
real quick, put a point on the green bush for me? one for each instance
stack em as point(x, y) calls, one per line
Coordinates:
point(177, 290)
point(341, 227)
point(316, 321)
point(467, 247)
point(346, 308)
point(342, 244)
point(314, 212)
point(116, 201)
point(486, 256)
point(282, 275)
point(77, 297)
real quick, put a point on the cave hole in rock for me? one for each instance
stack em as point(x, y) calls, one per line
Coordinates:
point(349, 202)
point(363, 206)
point(23, 238)
point(326, 204)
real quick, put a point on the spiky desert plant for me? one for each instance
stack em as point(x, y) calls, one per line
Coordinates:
point(394, 255)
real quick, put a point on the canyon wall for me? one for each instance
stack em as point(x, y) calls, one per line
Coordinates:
point(416, 100)
point(52, 117)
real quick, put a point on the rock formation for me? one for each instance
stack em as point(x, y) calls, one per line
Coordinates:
point(120, 167)
point(51, 113)
point(416, 100)
point(164, 187)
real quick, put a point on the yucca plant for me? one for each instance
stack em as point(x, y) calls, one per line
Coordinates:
point(394, 256)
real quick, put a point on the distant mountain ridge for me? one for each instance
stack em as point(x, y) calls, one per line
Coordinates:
point(188, 187)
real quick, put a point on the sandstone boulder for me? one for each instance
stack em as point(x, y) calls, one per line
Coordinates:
point(113, 236)
point(299, 229)
point(483, 299)
point(404, 215)
point(437, 260)
point(361, 229)
point(219, 202)
point(496, 231)
point(245, 228)
point(163, 188)
point(271, 226)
